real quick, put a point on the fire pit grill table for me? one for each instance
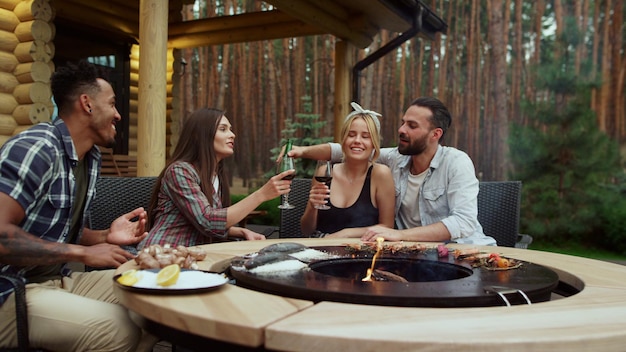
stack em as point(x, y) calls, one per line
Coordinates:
point(432, 281)
point(261, 321)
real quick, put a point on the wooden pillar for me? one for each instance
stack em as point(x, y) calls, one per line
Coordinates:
point(151, 124)
point(344, 61)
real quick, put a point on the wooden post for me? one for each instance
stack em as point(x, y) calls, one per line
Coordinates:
point(152, 87)
point(344, 61)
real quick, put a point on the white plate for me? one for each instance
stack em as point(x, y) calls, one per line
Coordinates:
point(189, 281)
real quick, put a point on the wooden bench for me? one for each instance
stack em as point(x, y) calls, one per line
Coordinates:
point(118, 164)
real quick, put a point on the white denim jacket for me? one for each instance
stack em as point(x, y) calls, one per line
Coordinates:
point(449, 193)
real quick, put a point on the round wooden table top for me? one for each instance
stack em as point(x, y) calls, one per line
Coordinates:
point(592, 320)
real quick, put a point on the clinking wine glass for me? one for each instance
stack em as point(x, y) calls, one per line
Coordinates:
point(323, 174)
point(286, 164)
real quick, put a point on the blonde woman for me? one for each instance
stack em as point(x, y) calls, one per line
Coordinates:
point(362, 192)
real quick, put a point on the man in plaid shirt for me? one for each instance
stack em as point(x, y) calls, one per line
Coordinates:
point(47, 185)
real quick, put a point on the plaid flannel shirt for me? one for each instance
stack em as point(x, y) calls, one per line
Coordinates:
point(183, 215)
point(36, 171)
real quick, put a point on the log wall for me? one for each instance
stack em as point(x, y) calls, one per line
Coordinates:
point(172, 127)
point(26, 52)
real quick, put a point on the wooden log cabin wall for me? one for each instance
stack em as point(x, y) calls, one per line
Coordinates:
point(26, 52)
point(27, 33)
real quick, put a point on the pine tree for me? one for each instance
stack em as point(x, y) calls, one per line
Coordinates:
point(304, 130)
point(565, 162)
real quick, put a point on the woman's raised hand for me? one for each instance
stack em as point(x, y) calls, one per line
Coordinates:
point(318, 195)
point(278, 185)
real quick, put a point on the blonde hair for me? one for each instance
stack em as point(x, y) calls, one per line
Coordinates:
point(372, 126)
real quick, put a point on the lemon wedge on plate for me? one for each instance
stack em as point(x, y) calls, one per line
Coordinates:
point(129, 277)
point(168, 275)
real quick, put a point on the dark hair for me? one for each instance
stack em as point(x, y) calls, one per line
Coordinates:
point(441, 116)
point(70, 81)
point(195, 146)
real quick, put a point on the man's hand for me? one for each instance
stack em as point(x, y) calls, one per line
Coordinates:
point(105, 255)
point(380, 231)
point(123, 231)
point(315, 152)
point(295, 152)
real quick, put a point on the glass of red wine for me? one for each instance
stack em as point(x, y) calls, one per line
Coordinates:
point(323, 174)
point(286, 163)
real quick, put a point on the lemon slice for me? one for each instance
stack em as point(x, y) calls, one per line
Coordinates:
point(168, 275)
point(129, 277)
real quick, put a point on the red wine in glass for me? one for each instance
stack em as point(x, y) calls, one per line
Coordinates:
point(323, 173)
point(324, 179)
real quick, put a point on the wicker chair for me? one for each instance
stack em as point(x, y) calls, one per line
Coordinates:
point(290, 218)
point(498, 211)
point(116, 196)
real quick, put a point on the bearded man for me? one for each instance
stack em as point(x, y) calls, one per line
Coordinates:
point(436, 186)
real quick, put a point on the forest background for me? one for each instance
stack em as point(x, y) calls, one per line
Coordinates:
point(535, 88)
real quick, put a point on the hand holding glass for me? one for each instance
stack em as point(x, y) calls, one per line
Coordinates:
point(286, 163)
point(323, 173)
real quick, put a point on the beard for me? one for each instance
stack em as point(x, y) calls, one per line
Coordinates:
point(415, 147)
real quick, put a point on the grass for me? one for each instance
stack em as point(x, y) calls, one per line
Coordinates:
point(579, 250)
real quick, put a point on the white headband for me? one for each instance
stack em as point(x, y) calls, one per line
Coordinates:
point(359, 110)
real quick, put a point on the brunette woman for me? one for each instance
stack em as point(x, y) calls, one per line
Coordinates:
point(190, 204)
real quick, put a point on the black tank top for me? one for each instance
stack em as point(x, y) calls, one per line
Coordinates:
point(361, 213)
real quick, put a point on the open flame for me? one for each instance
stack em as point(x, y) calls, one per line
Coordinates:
point(379, 249)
